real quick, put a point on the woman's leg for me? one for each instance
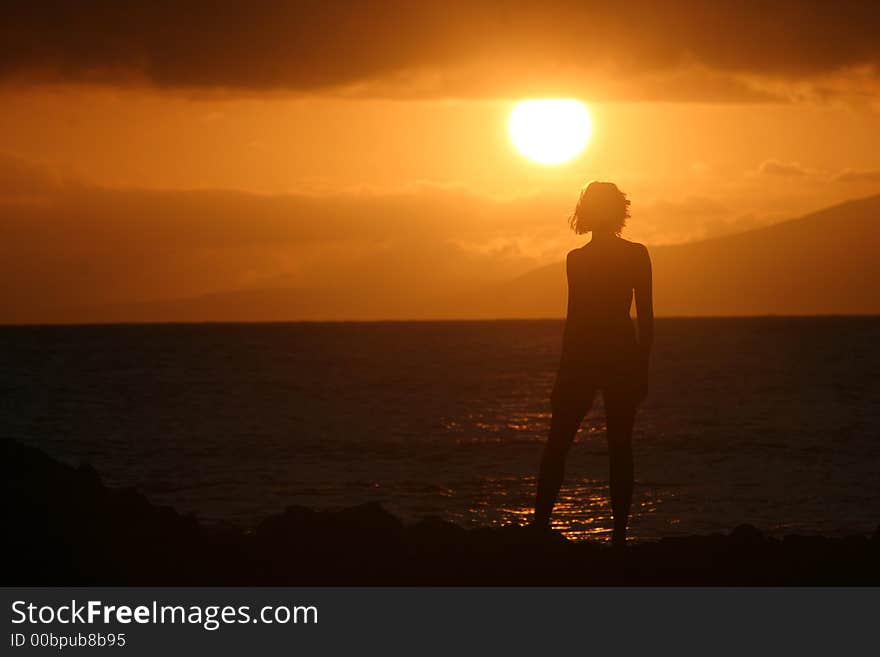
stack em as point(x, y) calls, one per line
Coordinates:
point(563, 428)
point(620, 416)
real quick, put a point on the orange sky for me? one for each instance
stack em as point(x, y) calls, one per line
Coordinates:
point(142, 162)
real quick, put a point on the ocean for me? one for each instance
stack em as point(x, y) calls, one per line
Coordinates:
point(769, 421)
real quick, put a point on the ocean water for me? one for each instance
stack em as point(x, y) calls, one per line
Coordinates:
point(771, 421)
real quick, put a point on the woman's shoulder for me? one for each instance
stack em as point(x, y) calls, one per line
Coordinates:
point(636, 248)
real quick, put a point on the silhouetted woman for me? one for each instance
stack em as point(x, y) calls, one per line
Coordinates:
point(600, 349)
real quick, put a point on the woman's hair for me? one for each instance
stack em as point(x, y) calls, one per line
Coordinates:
point(601, 207)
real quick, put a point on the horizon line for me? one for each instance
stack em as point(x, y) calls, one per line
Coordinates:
point(236, 322)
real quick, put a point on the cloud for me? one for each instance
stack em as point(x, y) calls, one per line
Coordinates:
point(67, 244)
point(665, 221)
point(858, 176)
point(782, 169)
point(797, 173)
point(20, 177)
point(685, 49)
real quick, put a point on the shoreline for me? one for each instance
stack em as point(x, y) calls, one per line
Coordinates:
point(65, 527)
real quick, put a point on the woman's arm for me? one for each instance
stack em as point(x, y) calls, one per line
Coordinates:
point(569, 281)
point(645, 309)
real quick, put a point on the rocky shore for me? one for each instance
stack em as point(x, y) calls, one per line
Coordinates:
point(63, 526)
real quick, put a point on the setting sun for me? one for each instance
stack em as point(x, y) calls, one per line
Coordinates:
point(550, 131)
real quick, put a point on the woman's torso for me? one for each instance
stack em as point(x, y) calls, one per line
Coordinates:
point(601, 278)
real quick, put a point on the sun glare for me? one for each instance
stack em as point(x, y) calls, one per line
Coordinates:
point(550, 131)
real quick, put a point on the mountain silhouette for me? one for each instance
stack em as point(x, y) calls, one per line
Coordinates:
point(822, 263)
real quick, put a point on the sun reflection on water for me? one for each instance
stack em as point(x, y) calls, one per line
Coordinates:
point(582, 511)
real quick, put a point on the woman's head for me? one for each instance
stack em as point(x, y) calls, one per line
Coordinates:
point(601, 208)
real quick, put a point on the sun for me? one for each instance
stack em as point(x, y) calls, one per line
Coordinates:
point(550, 131)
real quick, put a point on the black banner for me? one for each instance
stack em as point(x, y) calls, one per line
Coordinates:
point(406, 621)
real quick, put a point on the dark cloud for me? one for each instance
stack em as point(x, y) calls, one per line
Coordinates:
point(441, 48)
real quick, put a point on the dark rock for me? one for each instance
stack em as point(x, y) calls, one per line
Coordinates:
point(64, 527)
point(746, 535)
